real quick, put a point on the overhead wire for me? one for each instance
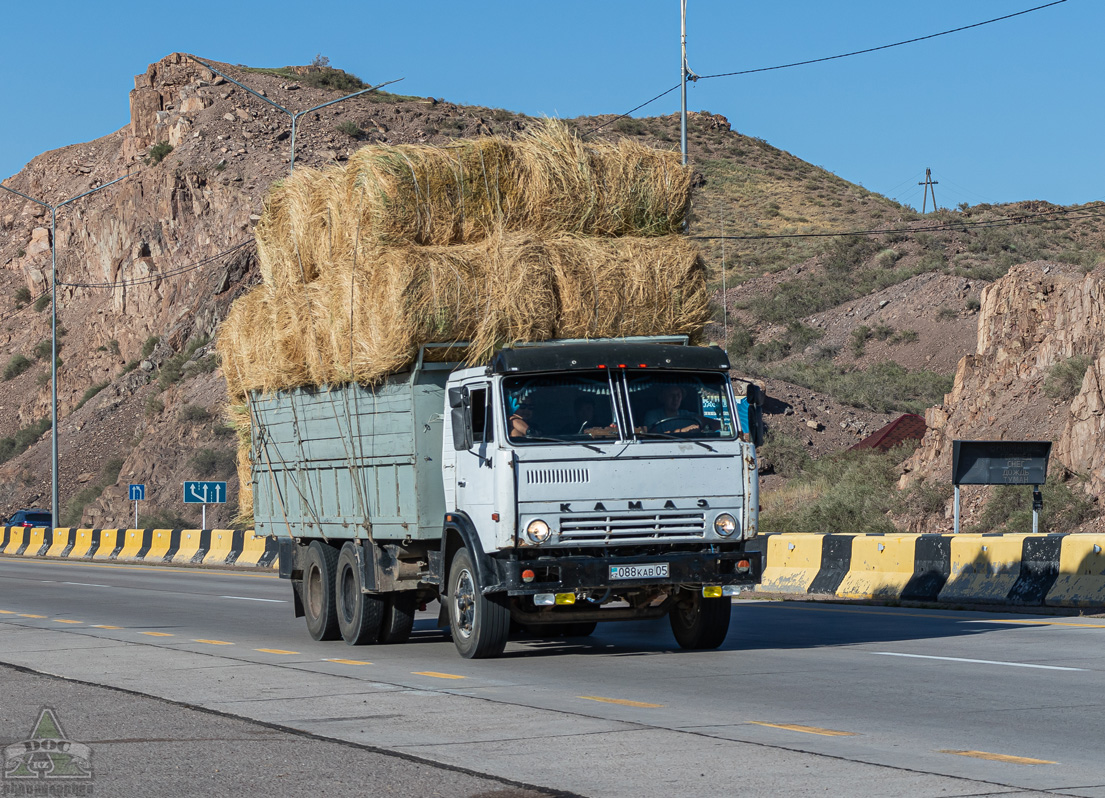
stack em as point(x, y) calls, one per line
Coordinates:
point(153, 278)
point(827, 58)
point(946, 226)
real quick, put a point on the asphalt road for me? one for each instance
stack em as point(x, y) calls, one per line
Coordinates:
point(803, 699)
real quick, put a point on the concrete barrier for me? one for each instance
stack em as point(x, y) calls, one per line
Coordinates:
point(211, 547)
point(1026, 570)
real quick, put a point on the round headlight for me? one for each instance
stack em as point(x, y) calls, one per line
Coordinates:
point(725, 525)
point(538, 531)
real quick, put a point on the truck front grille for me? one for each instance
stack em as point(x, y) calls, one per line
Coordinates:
point(621, 527)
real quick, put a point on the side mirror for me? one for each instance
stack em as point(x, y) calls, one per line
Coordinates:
point(460, 418)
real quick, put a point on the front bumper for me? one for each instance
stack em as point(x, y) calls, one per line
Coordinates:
point(575, 572)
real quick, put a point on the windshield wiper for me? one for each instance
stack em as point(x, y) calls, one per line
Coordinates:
point(547, 439)
point(670, 436)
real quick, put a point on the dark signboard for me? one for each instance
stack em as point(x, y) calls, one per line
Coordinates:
point(1000, 462)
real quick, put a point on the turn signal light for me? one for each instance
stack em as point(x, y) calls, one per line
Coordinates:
point(565, 598)
point(744, 566)
point(528, 575)
point(711, 591)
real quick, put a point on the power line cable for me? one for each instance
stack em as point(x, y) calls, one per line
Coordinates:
point(827, 58)
point(949, 226)
point(882, 47)
point(153, 278)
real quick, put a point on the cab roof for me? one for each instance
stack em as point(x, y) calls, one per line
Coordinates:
point(609, 355)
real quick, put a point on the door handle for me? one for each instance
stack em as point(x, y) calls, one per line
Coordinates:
point(462, 484)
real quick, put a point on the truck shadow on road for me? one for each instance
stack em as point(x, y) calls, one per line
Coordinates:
point(766, 626)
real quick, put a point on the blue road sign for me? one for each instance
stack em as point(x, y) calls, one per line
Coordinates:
point(204, 492)
point(137, 493)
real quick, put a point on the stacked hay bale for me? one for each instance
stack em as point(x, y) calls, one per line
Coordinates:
point(490, 241)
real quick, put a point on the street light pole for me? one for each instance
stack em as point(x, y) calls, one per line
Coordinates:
point(294, 115)
point(54, 493)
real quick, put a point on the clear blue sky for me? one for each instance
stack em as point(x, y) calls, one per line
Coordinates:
point(1004, 112)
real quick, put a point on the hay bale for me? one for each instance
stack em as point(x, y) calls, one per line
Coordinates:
point(608, 288)
point(547, 183)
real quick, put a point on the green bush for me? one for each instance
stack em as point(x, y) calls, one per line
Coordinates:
point(1064, 379)
point(158, 152)
point(946, 314)
point(858, 340)
point(95, 389)
point(884, 387)
point(784, 454)
point(149, 345)
point(194, 413)
point(43, 349)
point(41, 303)
point(1009, 508)
point(211, 463)
point(853, 492)
point(16, 366)
point(154, 406)
point(113, 347)
point(351, 129)
point(22, 296)
point(22, 440)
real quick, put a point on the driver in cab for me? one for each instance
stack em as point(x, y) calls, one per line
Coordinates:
point(670, 416)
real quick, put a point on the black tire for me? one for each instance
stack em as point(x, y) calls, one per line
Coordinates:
point(700, 623)
point(480, 624)
point(398, 620)
point(318, 591)
point(359, 614)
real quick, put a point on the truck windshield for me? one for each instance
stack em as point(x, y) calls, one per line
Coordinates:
point(579, 407)
point(680, 405)
point(561, 408)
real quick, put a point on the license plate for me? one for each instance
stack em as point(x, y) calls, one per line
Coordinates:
point(652, 570)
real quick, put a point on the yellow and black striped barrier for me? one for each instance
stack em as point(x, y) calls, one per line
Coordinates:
point(1022, 570)
point(210, 547)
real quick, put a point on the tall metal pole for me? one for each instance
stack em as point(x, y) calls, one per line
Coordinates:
point(683, 82)
point(54, 492)
point(295, 116)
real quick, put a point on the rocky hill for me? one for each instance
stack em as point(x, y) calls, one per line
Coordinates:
point(846, 331)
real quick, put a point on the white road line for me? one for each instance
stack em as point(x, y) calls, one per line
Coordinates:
point(247, 598)
point(83, 584)
point(978, 661)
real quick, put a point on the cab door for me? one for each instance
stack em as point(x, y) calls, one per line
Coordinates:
point(475, 467)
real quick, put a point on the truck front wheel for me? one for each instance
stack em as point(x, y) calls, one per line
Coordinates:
point(480, 624)
point(360, 614)
point(318, 591)
point(698, 622)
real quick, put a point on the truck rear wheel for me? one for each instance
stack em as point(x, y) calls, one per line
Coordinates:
point(359, 614)
point(700, 623)
point(480, 624)
point(318, 591)
point(398, 618)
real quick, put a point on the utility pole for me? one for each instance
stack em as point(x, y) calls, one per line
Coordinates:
point(54, 336)
point(294, 115)
point(928, 184)
point(683, 81)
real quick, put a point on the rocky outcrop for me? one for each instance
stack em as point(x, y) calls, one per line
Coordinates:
point(1037, 316)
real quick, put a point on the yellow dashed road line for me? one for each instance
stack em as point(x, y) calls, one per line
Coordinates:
point(157, 634)
point(348, 661)
point(1014, 760)
point(25, 615)
point(274, 651)
point(214, 642)
point(66, 620)
point(437, 675)
point(620, 701)
point(804, 729)
point(105, 626)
